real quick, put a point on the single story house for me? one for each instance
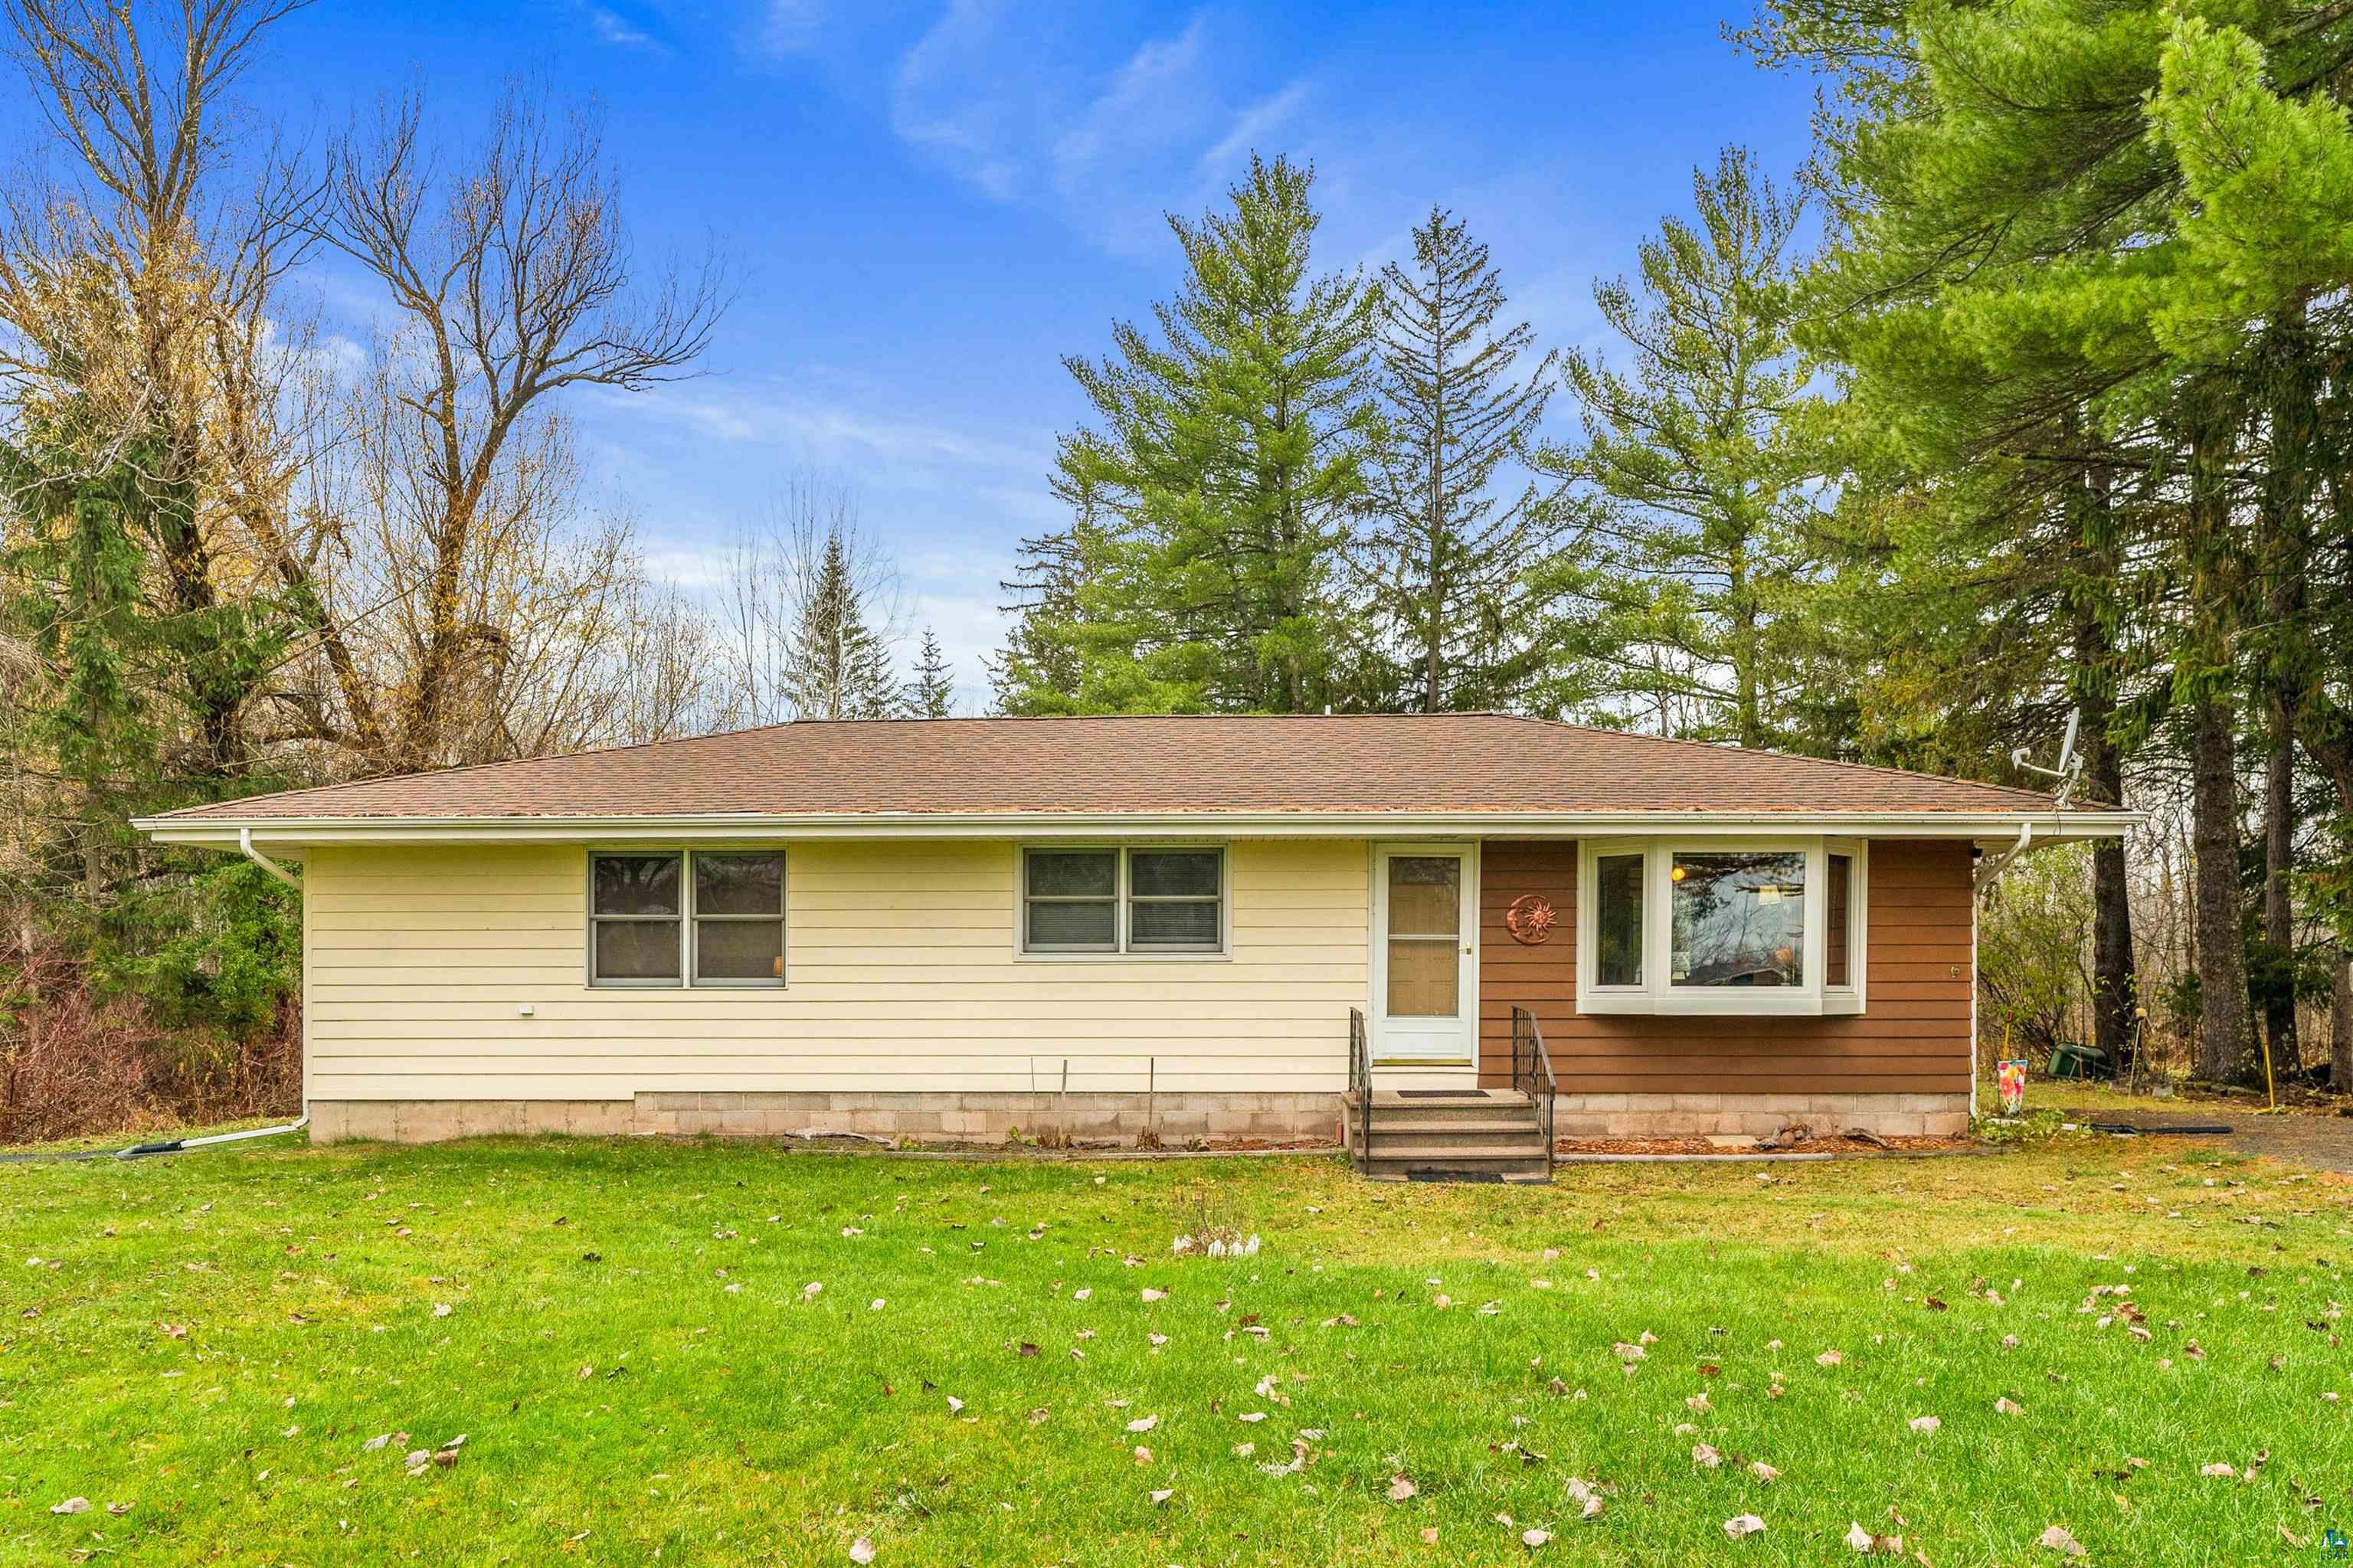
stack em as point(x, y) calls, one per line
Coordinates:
point(1205, 925)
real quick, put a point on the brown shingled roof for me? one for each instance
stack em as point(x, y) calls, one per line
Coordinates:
point(1372, 764)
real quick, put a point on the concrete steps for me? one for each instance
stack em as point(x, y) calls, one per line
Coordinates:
point(1494, 1135)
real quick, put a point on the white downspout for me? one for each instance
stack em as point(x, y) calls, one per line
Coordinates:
point(244, 843)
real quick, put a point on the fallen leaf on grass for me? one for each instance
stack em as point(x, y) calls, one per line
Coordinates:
point(1764, 1472)
point(1142, 1455)
point(1743, 1524)
point(861, 1551)
point(2056, 1539)
point(1531, 1539)
point(1703, 1455)
point(2221, 1472)
point(1829, 1359)
point(1926, 1424)
point(1143, 1424)
point(1400, 1488)
point(1163, 1494)
point(72, 1505)
point(2007, 1406)
point(1865, 1542)
point(1151, 1295)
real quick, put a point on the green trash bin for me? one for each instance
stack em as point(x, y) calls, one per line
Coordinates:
point(2069, 1060)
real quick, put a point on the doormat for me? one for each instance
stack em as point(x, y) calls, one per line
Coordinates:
point(1441, 1093)
point(1494, 1176)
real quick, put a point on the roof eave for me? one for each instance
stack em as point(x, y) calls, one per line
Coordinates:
point(223, 831)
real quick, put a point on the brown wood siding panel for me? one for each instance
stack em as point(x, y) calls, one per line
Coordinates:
point(1913, 1038)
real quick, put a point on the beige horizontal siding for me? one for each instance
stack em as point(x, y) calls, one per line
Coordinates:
point(902, 976)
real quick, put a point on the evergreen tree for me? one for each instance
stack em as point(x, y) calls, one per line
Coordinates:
point(2073, 249)
point(1214, 494)
point(1694, 475)
point(837, 665)
point(1449, 561)
point(932, 693)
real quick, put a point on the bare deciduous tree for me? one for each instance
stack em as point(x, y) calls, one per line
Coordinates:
point(513, 279)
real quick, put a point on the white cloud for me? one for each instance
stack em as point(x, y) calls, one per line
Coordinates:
point(791, 26)
point(1251, 127)
point(1045, 106)
point(951, 101)
point(1153, 100)
point(823, 432)
point(612, 27)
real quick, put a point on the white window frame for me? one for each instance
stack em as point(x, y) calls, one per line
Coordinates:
point(1657, 994)
point(1122, 951)
point(688, 951)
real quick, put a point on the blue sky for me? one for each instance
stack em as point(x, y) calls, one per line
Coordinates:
point(929, 204)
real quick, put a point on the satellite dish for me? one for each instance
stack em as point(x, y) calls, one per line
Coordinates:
point(2068, 762)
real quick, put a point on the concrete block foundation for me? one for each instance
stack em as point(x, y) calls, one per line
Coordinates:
point(990, 1118)
point(1699, 1116)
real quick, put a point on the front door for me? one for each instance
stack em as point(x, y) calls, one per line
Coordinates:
point(1424, 960)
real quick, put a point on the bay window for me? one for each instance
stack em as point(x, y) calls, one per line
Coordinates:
point(1764, 927)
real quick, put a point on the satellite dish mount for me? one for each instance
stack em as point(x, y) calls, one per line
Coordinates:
point(2071, 766)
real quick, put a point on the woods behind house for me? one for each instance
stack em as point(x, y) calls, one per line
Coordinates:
point(2024, 399)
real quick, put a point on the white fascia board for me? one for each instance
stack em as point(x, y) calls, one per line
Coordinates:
point(225, 832)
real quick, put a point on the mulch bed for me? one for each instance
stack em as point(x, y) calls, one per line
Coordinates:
point(1830, 1145)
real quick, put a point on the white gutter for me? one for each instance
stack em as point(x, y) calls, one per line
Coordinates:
point(226, 832)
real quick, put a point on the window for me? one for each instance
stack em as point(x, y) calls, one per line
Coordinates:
point(1618, 920)
point(634, 919)
point(1721, 926)
point(1840, 900)
point(739, 919)
point(1137, 901)
point(644, 908)
point(1739, 919)
point(1425, 976)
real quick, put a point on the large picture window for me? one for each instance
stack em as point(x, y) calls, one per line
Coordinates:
point(703, 917)
point(1700, 927)
point(1142, 900)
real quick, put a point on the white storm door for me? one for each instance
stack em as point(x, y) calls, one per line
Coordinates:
point(1425, 957)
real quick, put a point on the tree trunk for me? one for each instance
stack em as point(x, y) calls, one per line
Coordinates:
point(2279, 906)
point(2294, 386)
point(2225, 1045)
point(2115, 986)
point(2341, 1026)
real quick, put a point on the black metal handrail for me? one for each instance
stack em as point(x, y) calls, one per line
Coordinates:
point(1532, 1071)
point(1360, 1083)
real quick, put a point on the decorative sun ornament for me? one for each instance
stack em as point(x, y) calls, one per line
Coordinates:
point(1531, 919)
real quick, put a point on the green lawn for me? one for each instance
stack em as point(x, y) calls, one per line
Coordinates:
point(633, 1350)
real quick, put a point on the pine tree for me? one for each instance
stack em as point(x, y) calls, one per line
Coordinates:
point(1213, 496)
point(2073, 244)
point(837, 666)
point(1451, 561)
point(932, 693)
point(1695, 474)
